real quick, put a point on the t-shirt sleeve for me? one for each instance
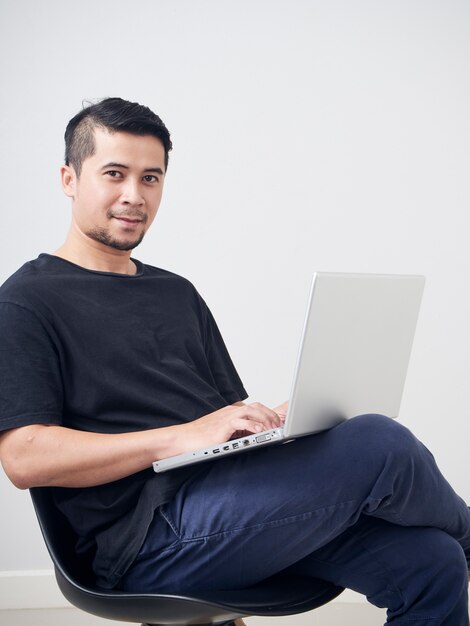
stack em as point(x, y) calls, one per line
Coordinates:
point(30, 381)
point(223, 370)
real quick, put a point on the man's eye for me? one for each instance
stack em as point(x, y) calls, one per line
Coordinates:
point(150, 178)
point(113, 173)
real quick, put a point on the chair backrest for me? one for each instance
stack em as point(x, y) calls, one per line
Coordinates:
point(60, 539)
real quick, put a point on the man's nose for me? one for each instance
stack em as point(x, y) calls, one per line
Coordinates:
point(131, 192)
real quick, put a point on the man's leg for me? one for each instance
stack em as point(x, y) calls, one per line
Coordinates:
point(250, 516)
point(419, 574)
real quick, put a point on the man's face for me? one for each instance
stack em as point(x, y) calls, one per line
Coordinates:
point(117, 196)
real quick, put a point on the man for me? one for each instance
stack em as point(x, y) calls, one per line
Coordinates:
point(108, 364)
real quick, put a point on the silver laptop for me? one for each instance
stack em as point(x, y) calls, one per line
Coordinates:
point(353, 358)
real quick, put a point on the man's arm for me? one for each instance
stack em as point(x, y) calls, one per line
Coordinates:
point(49, 455)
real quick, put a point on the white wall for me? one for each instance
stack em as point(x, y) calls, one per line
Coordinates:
point(309, 134)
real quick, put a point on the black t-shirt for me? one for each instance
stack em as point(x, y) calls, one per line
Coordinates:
point(110, 353)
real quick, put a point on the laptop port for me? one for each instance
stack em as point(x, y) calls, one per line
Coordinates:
point(235, 445)
point(246, 442)
point(215, 450)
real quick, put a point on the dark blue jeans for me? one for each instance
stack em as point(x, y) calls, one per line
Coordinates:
point(362, 505)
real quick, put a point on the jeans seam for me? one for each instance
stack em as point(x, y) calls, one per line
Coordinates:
point(271, 524)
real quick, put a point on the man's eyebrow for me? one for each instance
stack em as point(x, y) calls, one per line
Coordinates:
point(157, 170)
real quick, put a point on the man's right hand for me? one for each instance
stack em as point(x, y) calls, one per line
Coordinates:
point(227, 423)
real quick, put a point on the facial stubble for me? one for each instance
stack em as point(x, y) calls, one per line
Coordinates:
point(103, 236)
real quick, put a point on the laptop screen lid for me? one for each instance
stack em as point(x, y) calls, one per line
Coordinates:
point(353, 357)
point(355, 348)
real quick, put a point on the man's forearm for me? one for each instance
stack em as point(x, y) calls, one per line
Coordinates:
point(40, 455)
point(48, 455)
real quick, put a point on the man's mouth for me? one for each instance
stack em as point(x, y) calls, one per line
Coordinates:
point(130, 224)
point(129, 220)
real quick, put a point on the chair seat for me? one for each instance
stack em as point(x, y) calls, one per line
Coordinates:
point(279, 595)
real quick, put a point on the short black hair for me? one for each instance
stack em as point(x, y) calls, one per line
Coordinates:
point(114, 115)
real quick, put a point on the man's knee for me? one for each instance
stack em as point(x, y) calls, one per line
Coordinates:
point(446, 555)
point(385, 434)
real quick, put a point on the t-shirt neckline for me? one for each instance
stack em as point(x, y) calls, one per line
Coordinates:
point(138, 264)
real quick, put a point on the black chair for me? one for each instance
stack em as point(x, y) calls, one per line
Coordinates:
point(280, 595)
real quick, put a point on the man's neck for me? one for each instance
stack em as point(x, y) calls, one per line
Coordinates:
point(95, 256)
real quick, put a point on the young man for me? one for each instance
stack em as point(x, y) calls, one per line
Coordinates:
point(108, 364)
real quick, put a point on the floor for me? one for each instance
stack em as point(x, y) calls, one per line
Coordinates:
point(334, 614)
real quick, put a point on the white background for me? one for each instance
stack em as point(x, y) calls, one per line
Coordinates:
point(321, 134)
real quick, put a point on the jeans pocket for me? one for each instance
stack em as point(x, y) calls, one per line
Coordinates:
point(166, 516)
point(161, 538)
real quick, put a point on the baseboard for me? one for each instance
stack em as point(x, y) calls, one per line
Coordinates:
point(38, 589)
point(35, 589)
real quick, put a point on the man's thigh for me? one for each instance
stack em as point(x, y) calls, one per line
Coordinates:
point(314, 475)
point(250, 516)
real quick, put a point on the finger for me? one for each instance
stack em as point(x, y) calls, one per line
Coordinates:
point(281, 409)
point(264, 415)
point(247, 425)
point(271, 413)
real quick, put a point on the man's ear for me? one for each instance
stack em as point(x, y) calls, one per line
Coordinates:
point(69, 180)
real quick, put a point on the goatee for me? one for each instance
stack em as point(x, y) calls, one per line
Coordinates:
point(102, 236)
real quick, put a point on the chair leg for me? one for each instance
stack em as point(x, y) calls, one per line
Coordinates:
point(237, 622)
